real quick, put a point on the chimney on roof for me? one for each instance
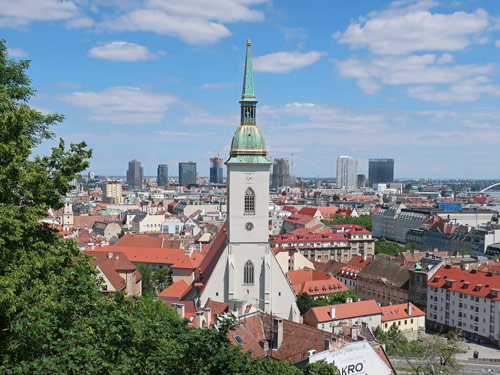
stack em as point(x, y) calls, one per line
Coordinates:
point(409, 309)
point(207, 314)
point(200, 247)
point(311, 352)
point(348, 300)
point(277, 332)
point(110, 255)
point(332, 312)
point(199, 319)
point(181, 309)
point(364, 258)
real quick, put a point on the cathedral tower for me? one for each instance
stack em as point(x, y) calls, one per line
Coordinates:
point(247, 269)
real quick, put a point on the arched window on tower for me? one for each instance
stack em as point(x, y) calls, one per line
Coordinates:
point(249, 202)
point(248, 273)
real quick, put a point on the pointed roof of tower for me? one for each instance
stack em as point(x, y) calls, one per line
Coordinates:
point(248, 145)
point(248, 93)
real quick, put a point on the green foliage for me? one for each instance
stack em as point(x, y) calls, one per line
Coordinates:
point(433, 350)
point(264, 366)
point(362, 220)
point(395, 342)
point(305, 301)
point(320, 368)
point(154, 280)
point(382, 246)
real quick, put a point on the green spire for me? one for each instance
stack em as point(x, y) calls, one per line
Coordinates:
point(248, 94)
point(248, 146)
point(248, 100)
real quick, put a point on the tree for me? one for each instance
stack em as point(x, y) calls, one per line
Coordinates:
point(305, 301)
point(320, 368)
point(154, 280)
point(362, 220)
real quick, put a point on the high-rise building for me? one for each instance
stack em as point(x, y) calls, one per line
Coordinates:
point(380, 171)
point(361, 180)
point(216, 171)
point(162, 175)
point(281, 173)
point(187, 173)
point(91, 175)
point(112, 192)
point(347, 173)
point(135, 174)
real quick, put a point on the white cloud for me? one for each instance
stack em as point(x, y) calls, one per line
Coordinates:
point(497, 43)
point(80, 22)
point(16, 52)
point(198, 117)
point(123, 105)
point(22, 12)
point(408, 70)
point(401, 30)
point(285, 62)
point(190, 20)
point(121, 51)
point(465, 91)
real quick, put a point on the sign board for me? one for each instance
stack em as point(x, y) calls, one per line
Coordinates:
point(357, 358)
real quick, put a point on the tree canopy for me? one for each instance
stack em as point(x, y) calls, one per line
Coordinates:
point(305, 301)
point(363, 220)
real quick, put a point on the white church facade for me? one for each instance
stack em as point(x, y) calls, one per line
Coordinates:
point(242, 266)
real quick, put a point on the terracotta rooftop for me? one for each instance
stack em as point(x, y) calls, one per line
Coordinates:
point(473, 282)
point(346, 310)
point(396, 312)
point(176, 290)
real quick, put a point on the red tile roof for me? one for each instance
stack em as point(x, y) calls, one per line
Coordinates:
point(305, 274)
point(176, 290)
point(299, 219)
point(217, 307)
point(346, 310)
point(142, 240)
point(396, 312)
point(323, 287)
point(473, 282)
point(175, 258)
point(111, 263)
point(308, 211)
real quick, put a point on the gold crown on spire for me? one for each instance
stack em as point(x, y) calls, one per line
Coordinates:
point(249, 42)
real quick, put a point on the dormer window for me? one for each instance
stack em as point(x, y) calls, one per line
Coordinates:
point(249, 202)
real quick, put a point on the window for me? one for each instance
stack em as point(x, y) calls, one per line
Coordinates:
point(248, 273)
point(249, 202)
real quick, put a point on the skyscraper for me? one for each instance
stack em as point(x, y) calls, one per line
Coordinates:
point(347, 173)
point(216, 171)
point(281, 173)
point(361, 180)
point(187, 173)
point(135, 174)
point(380, 171)
point(162, 175)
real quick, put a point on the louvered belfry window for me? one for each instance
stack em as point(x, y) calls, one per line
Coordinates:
point(249, 202)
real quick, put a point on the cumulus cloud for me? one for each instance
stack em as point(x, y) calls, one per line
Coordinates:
point(407, 70)
point(402, 30)
point(122, 105)
point(121, 51)
point(22, 12)
point(189, 20)
point(285, 62)
point(16, 52)
point(400, 39)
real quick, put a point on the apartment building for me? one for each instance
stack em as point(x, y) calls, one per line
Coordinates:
point(465, 301)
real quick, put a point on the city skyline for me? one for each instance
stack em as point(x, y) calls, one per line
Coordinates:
point(326, 76)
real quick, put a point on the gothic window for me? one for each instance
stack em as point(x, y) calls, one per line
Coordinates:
point(249, 202)
point(248, 273)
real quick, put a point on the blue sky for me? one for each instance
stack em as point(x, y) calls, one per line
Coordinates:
point(160, 80)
